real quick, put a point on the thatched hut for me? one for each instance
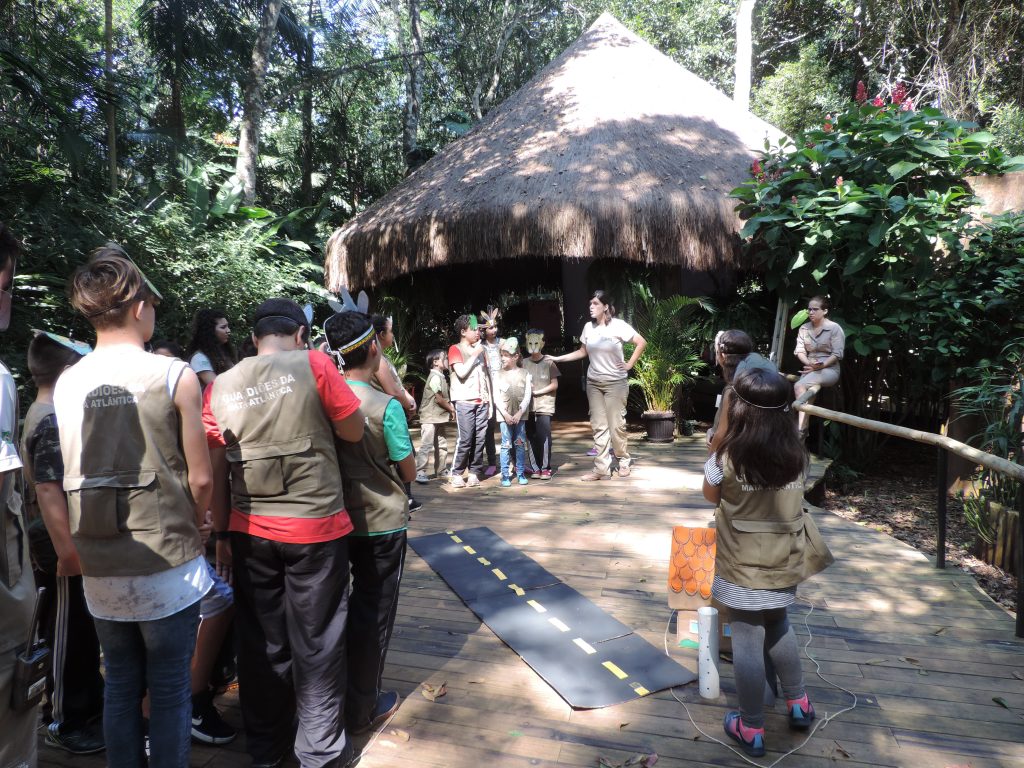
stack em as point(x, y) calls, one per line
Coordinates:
point(613, 151)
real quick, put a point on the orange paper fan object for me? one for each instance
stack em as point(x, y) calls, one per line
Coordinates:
point(691, 568)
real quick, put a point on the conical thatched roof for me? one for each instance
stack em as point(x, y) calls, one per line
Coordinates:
point(612, 150)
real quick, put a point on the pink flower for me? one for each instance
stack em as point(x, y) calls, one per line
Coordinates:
point(877, 102)
point(839, 181)
point(828, 128)
point(907, 105)
point(793, 199)
point(862, 92)
point(899, 94)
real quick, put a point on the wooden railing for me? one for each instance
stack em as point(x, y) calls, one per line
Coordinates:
point(944, 445)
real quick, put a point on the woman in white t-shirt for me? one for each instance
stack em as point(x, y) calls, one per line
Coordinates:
point(209, 351)
point(607, 382)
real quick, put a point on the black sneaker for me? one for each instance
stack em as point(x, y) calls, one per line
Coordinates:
point(387, 705)
point(415, 506)
point(84, 741)
point(207, 725)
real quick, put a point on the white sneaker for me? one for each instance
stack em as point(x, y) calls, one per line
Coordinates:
point(421, 477)
point(457, 481)
point(474, 481)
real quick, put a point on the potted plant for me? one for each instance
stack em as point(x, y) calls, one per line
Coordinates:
point(670, 360)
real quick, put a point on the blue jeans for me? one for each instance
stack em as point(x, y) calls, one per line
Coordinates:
point(154, 655)
point(513, 435)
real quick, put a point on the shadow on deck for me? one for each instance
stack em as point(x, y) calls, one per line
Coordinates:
point(926, 652)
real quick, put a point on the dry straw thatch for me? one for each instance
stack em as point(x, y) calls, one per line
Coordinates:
point(612, 151)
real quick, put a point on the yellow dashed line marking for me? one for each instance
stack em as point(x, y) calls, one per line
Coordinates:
point(587, 647)
point(610, 666)
point(559, 624)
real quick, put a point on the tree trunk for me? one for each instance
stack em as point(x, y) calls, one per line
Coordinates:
point(108, 38)
point(413, 87)
point(252, 116)
point(744, 52)
point(306, 143)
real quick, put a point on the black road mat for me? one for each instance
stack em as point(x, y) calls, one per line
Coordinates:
point(590, 658)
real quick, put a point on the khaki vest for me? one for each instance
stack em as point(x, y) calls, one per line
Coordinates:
point(475, 385)
point(376, 496)
point(37, 412)
point(430, 411)
point(541, 373)
point(765, 539)
point(17, 584)
point(129, 503)
point(511, 387)
point(280, 444)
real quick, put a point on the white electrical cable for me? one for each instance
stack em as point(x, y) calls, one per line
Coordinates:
point(822, 722)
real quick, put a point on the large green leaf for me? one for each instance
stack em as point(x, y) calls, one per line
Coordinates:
point(902, 168)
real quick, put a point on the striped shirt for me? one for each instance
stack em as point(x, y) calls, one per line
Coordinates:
point(733, 595)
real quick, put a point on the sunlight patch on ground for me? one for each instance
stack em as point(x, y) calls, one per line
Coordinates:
point(662, 478)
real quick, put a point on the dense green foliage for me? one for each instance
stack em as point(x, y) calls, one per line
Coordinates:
point(798, 93)
point(872, 209)
point(357, 93)
point(673, 330)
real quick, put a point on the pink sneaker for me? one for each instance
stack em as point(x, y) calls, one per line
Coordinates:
point(545, 474)
point(751, 740)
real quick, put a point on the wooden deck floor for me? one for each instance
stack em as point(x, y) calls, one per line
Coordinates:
point(925, 651)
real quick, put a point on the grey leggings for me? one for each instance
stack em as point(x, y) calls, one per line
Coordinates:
point(755, 634)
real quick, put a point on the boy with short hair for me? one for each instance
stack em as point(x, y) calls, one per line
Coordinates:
point(436, 411)
point(471, 395)
point(74, 685)
point(282, 531)
point(542, 408)
point(374, 472)
point(138, 479)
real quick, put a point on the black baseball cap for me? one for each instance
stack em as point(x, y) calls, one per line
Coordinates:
point(283, 308)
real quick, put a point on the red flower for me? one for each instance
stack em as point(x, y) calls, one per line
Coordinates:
point(899, 94)
point(755, 169)
point(828, 127)
point(877, 102)
point(862, 92)
point(839, 181)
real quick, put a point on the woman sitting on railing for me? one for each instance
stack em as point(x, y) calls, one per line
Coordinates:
point(819, 346)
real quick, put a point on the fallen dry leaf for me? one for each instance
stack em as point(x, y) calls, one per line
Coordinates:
point(433, 693)
point(939, 631)
point(622, 725)
point(399, 734)
point(840, 750)
point(876, 661)
point(1018, 675)
point(1001, 702)
point(910, 660)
